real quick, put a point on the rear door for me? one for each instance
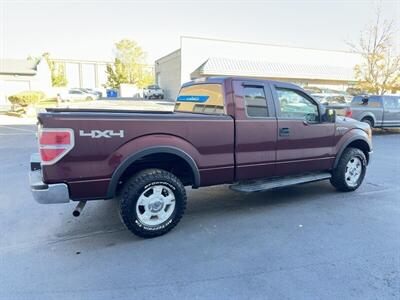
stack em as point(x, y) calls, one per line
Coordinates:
point(391, 114)
point(256, 130)
point(304, 144)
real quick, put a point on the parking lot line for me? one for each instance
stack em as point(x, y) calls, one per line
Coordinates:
point(14, 134)
point(18, 129)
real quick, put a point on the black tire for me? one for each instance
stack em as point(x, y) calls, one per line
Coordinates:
point(369, 121)
point(89, 98)
point(134, 188)
point(338, 179)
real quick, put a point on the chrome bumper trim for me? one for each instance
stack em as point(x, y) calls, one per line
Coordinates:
point(47, 193)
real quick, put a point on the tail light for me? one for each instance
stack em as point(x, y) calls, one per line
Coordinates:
point(349, 112)
point(54, 144)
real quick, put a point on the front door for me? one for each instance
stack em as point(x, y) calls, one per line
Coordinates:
point(305, 144)
point(256, 130)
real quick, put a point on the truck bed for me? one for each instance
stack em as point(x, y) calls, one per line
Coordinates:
point(208, 139)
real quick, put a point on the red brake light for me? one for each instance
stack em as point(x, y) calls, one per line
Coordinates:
point(55, 138)
point(349, 112)
point(54, 144)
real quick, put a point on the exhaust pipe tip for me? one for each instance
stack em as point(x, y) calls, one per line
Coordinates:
point(78, 209)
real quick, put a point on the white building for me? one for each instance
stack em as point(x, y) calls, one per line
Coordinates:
point(84, 73)
point(200, 57)
point(18, 75)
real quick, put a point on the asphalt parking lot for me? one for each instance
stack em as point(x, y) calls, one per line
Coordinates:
point(302, 242)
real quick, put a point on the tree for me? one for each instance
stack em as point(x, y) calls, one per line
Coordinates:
point(379, 71)
point(58, 78)
point(146, 79)
point(129, 66)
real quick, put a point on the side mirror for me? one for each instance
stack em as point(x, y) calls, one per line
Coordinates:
point(329, 116)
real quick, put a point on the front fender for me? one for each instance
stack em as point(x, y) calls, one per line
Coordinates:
point(351, 136)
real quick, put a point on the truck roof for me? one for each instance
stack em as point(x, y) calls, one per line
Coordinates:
point(222, 80)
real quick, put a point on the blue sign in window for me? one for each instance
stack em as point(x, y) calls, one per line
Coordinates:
point(188, 98)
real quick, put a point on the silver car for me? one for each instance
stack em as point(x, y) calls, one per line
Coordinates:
point(76, 95)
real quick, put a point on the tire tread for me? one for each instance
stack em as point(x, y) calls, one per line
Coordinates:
point(131, 188)
point(337, 179)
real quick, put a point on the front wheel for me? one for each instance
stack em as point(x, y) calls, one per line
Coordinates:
point(152, 203)
point(350, 171)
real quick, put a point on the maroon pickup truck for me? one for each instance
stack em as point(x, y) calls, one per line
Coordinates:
point(254, 135)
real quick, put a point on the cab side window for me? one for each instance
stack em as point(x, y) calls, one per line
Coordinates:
point(293, 105)
point(255, 101)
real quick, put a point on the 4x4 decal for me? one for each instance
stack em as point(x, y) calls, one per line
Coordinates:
point(96, 134)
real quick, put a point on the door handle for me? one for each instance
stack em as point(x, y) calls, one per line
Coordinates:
point(285, 131)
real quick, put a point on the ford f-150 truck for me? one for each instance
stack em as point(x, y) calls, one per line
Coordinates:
point(254, 135)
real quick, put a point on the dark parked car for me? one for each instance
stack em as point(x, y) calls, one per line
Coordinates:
point(251, 134)
point(339, 102)
point(330, 99)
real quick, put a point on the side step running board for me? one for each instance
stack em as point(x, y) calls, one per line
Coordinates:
point(272, 183)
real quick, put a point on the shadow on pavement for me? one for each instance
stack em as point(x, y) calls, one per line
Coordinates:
point(385, 131)
point(102, 217)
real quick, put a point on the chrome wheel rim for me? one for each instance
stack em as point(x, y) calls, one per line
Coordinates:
point(155, 205)
point(353, 171)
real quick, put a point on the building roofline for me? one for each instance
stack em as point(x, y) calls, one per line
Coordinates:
point(260, 44)
point(72, 60)
point(169, 54)
point(18, 73)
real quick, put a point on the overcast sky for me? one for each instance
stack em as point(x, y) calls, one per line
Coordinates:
point(88, 29)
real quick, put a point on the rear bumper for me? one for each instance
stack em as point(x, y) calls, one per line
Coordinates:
point(46, 193)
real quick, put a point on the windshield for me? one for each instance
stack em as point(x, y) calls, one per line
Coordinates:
point(201, 98)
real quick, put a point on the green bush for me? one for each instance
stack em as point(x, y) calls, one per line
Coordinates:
point(27, 98)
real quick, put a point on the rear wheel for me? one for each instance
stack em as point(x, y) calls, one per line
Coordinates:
point(369, 121)
point(152, 203)
point(350, 171)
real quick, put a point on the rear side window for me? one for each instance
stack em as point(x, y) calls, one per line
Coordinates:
point(255, 101)
point(357, 101)
point(371, 101)
point(205, 98)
